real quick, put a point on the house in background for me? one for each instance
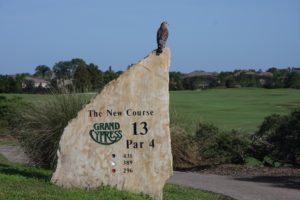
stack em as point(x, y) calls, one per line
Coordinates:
point(265, 78)
point(36, 82)
point(200, 80)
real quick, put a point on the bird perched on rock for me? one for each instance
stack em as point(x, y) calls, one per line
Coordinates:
point(161, 37)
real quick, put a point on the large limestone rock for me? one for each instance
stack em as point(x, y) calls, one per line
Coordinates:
point(122, 137)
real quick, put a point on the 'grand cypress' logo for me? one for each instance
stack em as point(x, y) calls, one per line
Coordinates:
point(106, 133)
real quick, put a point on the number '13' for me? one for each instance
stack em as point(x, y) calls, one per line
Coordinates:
point(144, 128)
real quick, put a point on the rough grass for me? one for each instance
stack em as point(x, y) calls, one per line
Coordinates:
point(241, 109)
point(27, 183)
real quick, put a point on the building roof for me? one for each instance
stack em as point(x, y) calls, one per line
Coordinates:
point(36, 80)
point(200, 74)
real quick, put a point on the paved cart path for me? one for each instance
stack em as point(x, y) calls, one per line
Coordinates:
point(241, 188)
point(14, 153)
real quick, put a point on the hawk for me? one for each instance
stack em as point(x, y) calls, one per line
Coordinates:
point(161, 37)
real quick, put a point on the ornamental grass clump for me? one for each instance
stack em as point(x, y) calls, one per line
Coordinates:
point(184, 148)
point(43, 124)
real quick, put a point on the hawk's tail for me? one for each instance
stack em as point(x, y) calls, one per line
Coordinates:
point(158, 51)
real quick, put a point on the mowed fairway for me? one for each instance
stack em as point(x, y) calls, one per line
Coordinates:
point(243, 109)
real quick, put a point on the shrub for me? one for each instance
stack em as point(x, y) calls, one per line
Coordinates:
point(220, 147)
point(278, 139)
point(250, 161)
point(205, 131)
point(261, 147)
point(43, 125)
point(207, 147)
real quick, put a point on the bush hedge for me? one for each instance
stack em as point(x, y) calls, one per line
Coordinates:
point(221, 147)
point(278, 139)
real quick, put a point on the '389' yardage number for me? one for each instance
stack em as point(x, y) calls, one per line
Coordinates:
point(139, 129)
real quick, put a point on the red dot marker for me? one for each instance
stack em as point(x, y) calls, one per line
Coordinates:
point(113, 170)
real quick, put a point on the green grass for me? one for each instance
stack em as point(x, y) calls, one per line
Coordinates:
point(28, 183)
point(242, 109)
point(35, 98)
point(28, 97)
point(175, 192)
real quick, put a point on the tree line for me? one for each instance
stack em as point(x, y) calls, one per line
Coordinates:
point(77, 75)
point(271, 78)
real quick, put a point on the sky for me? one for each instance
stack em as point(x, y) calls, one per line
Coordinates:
point(212, 35)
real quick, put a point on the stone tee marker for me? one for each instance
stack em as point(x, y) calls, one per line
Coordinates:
point(122, 137)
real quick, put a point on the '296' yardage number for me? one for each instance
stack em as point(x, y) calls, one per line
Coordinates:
point(139, 129)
